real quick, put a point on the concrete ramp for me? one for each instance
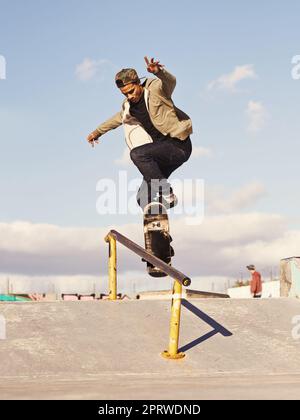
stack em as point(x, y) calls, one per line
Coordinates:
point(111, 350)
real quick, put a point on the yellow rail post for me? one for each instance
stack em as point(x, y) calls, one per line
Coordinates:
point(172, 353)
point(112, 267)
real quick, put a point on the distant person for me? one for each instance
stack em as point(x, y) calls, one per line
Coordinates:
point(156, 131)
point(255, 282)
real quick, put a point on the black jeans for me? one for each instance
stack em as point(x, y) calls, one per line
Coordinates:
point(156, 161)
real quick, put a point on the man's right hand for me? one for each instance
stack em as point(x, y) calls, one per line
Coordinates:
point(93, 138)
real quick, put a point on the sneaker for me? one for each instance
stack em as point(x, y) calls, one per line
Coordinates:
point(168, 200)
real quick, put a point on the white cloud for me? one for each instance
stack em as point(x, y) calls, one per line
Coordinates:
point(229, 81)
point(124, 160)
point(130, 282)
point(43, 249)
point(234, 229)
point(30, 238)
point(198, 198)
point(219, 200)
point(199, 151)
point(88, 69)
point(220, 246)
point(257, 116)
point(224, 245)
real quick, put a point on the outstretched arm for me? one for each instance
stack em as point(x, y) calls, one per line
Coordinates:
point(103, 128)
point(168, 81)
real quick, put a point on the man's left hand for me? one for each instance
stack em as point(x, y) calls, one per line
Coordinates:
point(153, 66)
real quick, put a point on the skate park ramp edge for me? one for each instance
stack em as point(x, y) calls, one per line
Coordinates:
point(112, 350)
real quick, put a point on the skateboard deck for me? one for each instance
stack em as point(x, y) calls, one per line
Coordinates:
point(157, 236)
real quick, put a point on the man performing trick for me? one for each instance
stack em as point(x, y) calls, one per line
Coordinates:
point(157, 133)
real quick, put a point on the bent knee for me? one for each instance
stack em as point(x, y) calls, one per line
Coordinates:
point(137, 154)
point(133, 154)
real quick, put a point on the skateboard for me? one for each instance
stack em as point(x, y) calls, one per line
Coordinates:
point(157, 236)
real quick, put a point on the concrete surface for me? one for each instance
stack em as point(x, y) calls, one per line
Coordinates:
point(111, 350)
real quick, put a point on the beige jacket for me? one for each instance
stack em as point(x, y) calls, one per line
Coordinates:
point(164, 115)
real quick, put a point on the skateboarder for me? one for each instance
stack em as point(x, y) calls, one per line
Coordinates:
point(156, 132)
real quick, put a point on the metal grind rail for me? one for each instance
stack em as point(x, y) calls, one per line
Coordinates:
point(180, 280)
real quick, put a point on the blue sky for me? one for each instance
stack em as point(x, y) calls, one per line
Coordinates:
point(49, 173)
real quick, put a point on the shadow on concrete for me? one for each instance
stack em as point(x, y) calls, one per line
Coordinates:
point(217, 328)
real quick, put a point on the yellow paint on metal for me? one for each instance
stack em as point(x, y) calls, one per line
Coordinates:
point(112, 267)
point(172, 353)
point(167, 355)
